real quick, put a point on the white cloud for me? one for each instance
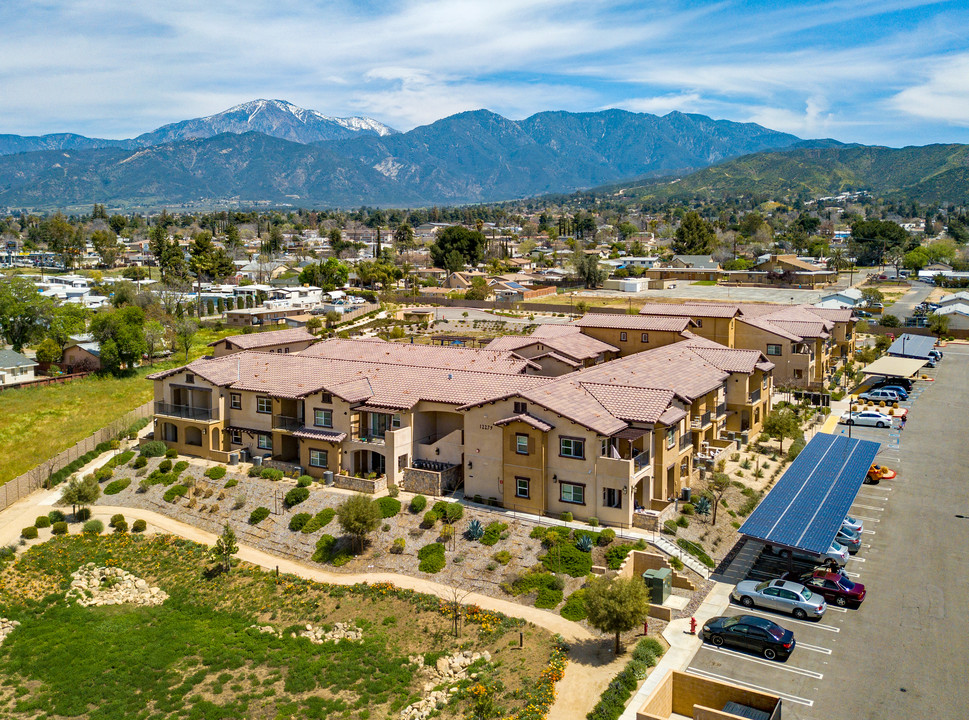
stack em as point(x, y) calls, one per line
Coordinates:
point(944, 94)
point(663, 104)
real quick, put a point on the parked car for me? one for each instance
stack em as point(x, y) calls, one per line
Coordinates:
point(850, 539)
point(780, 595)
point(881, 394)
point(749, 633)
point(872, 418)
point(835, 554)
point(935, 354)
point(835, 587)
point(853, 523)
point(862, 314)
point(897, 389)
point(905, 383)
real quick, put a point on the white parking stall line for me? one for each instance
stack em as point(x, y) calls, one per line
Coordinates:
point(768, 663)
point(869, 507)
point(785, 620)
point(868, 532)
point(851, 574)
point(785, 696)
point(866, 519)
point(835, 608)
point(865, 545)
point(856, 558)
point(872, 498)
point(814, 648)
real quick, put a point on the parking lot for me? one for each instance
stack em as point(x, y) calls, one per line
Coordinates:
point(894, 655)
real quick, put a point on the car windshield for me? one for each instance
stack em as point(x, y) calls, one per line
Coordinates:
point(807, 595)
point(730, 622)
point(776, 631)
point(837, 547)
point(845, 583)
point(851, 520)
point(762, 586)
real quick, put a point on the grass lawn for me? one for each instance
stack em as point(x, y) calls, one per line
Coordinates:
point(37, 423)
point(197, 656)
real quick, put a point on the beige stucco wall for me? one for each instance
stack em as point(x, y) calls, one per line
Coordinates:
point(633, 342)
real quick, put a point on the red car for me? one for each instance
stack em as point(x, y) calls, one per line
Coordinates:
point(835, 587)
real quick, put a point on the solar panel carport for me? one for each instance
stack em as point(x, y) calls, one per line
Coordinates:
point(894, 367)
point(806, 507)
point(912, 346)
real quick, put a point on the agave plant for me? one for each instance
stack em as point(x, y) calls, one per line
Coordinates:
point(702, 506)
point(584, 543)
point(475, 531)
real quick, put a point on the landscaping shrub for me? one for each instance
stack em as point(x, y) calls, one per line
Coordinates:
point(593, 522)
point(258, 515)
point(696, 550)
point(453, 512)
point(548, 586)
point(296, 496)
point(430, 518)
point(431, 558)
point(574, 608)
point(254, 471)
point(299, 520)
point(677, 564)
point(155, 448)
point(120, 459)
point(584, 543)
point(175, 491)
point(230, 483)
point(116, 486)
point(116, 519)
point(103, 473)
point(503, 556)
point(617, 553)
point(613, 700)
point(548, 598)
point(606, 537)
point(388, 507)
point(568, 559)
point(475, 530)
point(682, 522)
point(139, 462)
point(93, 527)
point(82, 514)
point(171, 453)
point(492, 533)
point(271, 474)
point(304, 481)
point(29, 533)
point(121, 526)
point(566, 517)
point(42, 521)
point(325, 547)
point(687, 509)
point(397, 547)
point(139, 526)
point(417, 504)
point(165, 465)
point(538, 532)
point(670, 527)
point(393, 491)
point(56, 516)
point(215, 473)
point(320, 520)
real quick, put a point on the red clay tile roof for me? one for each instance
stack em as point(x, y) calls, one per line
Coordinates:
point(832, 314)
point(453, 358)
point(770, 327)
point(632, 404)
point(727, 359)
point(689, 310)
point(327, 436)
point(528, 420)
point(566, 340)
point(265, 339)
point(645, 323)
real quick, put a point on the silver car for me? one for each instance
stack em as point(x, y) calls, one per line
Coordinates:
point(781, 595)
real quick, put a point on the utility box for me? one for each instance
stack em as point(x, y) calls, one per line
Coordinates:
point(660, 584)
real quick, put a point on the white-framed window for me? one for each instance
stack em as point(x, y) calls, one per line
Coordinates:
point(670, 437)
point(521, 487)
point(699, 322)
point(235, 401)
point(572, 447)
point(644, 338)
point(521, 444)
point(622, 336)
point(235, 437)
point(773, 349)
point(395, 421)
point(264, 442)
point(318, 458)
point(604, 447)
point(764, 379)
point(572, 493)
point(323, 418)
point(264, 405)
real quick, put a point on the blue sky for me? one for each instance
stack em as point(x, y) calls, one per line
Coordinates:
point(887, 72)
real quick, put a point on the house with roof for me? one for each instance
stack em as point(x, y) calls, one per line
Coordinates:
point(82, 355)
point(15, 368)
point(960, 297)
point(849, 297)
point(279, 341)
point(557, 349)
point(958, 314)
point(634, 333)
point(784, 271)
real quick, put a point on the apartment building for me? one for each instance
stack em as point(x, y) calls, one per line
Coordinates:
point(280, 341)
point(632, 334)
point(557, 349)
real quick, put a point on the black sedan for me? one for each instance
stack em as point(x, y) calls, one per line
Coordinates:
point(748, 632)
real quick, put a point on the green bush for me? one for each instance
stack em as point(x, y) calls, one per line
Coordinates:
point(503, 556)
point(103, 473)
point(325, 549)
point(165, 465)
point(574, 608)
point(492, 533)
point(475, 530)
point(171, 453)
point(566, 517)
point(613, 700)
point(431, 558)
point(155, 448)
point(453, 512)
point(296, 496)
point(687, 509)
point(175, 491)
point(93, 527)
point(388, 507)
point(139, 526)
point(397, 547)
point(116, 486)
point(271, 474)
point(616, 554)
point(430, 518)
point(320, 520)
point(56, 516)
point(115, 519)
point(231, 483)
point(82, 514)
point(682, 522)
point(548, 598)
point(29, 533)
point(304, 481)
point(606, 537)
point(696, 550)
point(593, 522)
point(139, 462)
point(299, 520)
point(568, 559)
point(676, 563)
point(120, 459)
point(121, 527)
point(538, 532)
point(215, 473)
point(42, 521)
point(258, 515)
point(417, 504)
point(670, 527)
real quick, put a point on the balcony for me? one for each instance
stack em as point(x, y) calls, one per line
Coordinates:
point(700, 421)
point(755, 397)
point(721, 410)
point(189, 412)
point(686, 442)
point(641, 462)
point(372, 438)
point(284, 422)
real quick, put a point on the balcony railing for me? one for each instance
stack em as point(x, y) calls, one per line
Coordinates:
point(685, 442)
point(370, 438)
point(701, 421)
point(641, 462)
point(755, 397)
point(284, 422)
point(721, 409)
point(189, 412)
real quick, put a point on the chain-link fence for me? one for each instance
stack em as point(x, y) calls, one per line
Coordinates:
point(33, 479)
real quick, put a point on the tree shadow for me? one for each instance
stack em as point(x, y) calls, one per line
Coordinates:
point(595, 652)
point(211, 573)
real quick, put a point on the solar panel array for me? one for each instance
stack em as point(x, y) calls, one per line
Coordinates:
point(913, 346)
point(806, 507)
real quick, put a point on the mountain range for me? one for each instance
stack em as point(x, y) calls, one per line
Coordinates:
point(271, 152)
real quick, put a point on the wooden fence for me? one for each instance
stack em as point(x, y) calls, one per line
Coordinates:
point(19, 487)
point(46, 381)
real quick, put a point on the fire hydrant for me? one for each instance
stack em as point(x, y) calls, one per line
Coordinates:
point(692, 626)
point(645, 628)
